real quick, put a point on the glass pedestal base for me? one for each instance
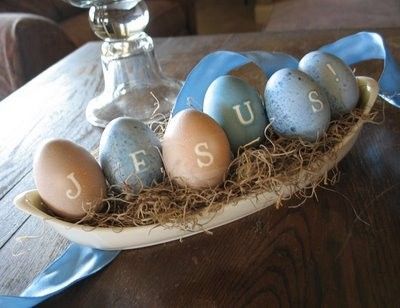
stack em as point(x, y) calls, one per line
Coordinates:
point(144, 103)
point(134, 85)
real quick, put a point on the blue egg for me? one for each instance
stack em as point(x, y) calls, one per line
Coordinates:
point(296, 105)
point(129, 154)
point(335, 77)
point(238, 109)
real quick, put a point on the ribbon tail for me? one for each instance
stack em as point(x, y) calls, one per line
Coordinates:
point(77, 263)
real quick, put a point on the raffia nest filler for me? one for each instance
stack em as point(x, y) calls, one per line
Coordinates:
point(273, 165)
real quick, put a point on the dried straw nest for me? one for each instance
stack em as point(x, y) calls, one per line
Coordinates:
point(274, 164)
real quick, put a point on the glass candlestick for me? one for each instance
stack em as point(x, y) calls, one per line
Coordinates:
point(134, 85)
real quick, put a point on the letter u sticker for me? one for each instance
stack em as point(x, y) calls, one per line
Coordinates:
point(239, 115)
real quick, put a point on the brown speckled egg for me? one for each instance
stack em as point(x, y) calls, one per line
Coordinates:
point(68, 178)
point(196, 150)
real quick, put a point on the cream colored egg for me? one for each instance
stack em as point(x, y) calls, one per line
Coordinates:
point(68, 178)
point(196, 150)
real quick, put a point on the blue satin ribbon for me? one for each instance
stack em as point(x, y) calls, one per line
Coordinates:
point(220, 63)
point(79, 262)
point(351, 49)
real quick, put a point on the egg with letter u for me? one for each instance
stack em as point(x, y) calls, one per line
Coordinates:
point(296, 105)
point(238, 109)
point(129, 154)
point(196, 150)
point(68, 178)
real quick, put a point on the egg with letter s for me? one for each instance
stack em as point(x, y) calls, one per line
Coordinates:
point(196, 150)
point(68, 178)
point(130, 154)
point(335, 77)
point(296, 106)
point(238, 109)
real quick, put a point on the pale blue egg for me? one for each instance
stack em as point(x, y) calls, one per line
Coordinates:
point(335, 77)
point(238, 109)
point(129, 153)
point(296, 105)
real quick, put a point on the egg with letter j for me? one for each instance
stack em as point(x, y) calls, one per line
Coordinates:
point(238, 109)
point(130, 154)
point(68, 178)
point(196, 150)
point(335, 77)
point(296, 105)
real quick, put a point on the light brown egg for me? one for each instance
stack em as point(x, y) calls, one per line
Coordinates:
point(196, 150)
point(68, 178)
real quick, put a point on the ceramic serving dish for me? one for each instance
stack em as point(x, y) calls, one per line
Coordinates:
point(136, 237)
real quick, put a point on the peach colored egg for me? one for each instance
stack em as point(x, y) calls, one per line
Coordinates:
point(196, 150)
point(68, 178)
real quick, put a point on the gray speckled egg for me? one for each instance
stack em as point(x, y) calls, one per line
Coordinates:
point(296, 105)
point(238, 109)
point(335, 77)
point(128, 154)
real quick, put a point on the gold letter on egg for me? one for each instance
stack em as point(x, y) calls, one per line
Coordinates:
point(316, 104)
point(203, 153)
point(239, 114)
point(138, 163)
point(78, 187)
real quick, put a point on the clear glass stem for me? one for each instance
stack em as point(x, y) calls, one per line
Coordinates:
point(134, 85)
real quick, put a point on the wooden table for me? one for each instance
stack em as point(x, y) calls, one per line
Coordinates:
point(340, 250)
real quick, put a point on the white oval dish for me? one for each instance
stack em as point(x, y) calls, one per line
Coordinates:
point(136, 237)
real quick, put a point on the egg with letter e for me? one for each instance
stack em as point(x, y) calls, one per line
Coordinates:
point(296, 105)
point(238, 109)
point(129, 154)
point(196, 150)
point(335, 77)
point(68, 178)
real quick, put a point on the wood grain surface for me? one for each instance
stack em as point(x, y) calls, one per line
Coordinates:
point(341, 249)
